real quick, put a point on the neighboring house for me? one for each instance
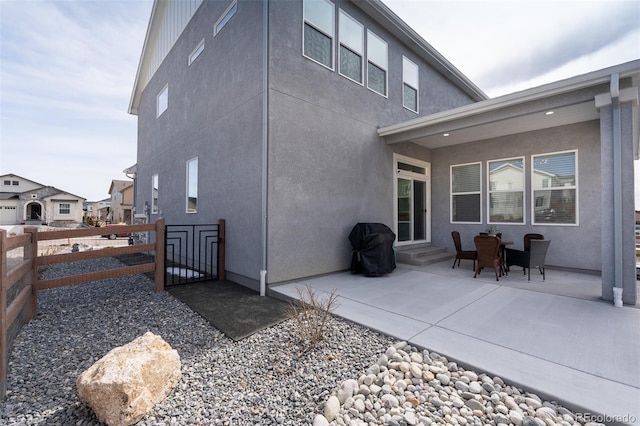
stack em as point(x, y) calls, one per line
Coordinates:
point(25, 201)
point(121, 202)
point(296, 120)
point(98, 210)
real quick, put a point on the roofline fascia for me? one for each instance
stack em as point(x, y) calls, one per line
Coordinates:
point(133, 107)
point(582, 81)
point(424, 49)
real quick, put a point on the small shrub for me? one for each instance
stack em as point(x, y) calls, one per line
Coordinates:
point(311, 314)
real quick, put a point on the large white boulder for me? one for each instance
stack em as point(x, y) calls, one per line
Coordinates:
point(127, 382)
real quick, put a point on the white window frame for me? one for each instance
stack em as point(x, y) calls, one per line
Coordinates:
point(497, 191)
point(162, 101)
point(452, 194)
point(188, 187)
point(225, 17)
point(196, 52)
point(67, 209)
point(385, 67)
point(332, 36)
point(406, 64)
point(343, 19)
point(574, 187)
point(154, 194)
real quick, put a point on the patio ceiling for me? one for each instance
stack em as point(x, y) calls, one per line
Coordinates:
point(570, 101)
point(458, 131)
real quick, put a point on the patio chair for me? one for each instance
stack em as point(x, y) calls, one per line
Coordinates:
point(534, 258)
point(529, 237)
point(488, 248)
point(462, 254)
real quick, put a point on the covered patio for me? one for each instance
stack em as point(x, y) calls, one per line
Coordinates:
point(557, 338)
point(497, 162)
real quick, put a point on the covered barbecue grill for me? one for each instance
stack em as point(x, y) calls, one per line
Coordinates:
point(373, 253)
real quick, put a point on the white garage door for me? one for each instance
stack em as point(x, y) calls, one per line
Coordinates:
point(8, 215)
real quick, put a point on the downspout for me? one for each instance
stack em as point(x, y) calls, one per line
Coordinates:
point(617, 190)
point(265, 141)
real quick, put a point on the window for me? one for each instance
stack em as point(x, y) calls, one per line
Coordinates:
point(192, 186)
point(15, 183)
point(64, 208)
point(154, 194)
point(506, 190)
point(196, 52)
point(6, 182)
point(377, 63)
point(163, 101)
point(319, 31)
point(409, 85)
point(554, 186)
point(465, 193)
point(226, 16)
point(351, 34)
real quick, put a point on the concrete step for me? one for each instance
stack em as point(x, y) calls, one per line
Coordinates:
point(422, 254)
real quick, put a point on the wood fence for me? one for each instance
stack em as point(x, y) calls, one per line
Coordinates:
point(20, 282)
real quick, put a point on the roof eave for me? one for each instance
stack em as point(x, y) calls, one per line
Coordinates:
point(602, 76)
point(380, 12)
point(134, 102)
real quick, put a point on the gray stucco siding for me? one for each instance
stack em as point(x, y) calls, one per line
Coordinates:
point(326, 173)
point(215, 114)
point(291, 72)
point(583, 137)
point(328, 169)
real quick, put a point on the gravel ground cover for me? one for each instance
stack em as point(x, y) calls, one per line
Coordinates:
point(354, 377)
point(262, 380)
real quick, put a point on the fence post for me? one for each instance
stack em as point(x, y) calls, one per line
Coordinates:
point(4, 351)
point(31, 252)
point(160, 254)
point(221, 254)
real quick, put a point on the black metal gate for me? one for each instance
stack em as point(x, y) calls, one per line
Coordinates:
point(192, 253)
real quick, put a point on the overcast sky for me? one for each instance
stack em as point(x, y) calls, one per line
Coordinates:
point(67, 69)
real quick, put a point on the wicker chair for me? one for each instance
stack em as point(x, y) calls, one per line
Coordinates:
point(462, 254)
point(534, 258)
point(488, 248)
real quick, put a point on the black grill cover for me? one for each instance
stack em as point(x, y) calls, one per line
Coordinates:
point(373, 253)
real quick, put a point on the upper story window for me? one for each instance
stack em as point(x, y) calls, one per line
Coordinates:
point(555, 188)
point(377, 63)
point(506, 190)
point(351, 34)
point(192, 185)
point(466, 193)
point(162, 102)
point(319, 31)
point(196, 52)
point(226, 16)
point(154, 194)
point(409, 85)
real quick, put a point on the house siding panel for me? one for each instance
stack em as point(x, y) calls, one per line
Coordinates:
point(328, 169)
point(214, 113)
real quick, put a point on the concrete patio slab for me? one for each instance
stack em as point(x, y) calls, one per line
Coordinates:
point(556, 338)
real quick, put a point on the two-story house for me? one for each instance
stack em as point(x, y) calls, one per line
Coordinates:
point(121, 201)
point(295, 120)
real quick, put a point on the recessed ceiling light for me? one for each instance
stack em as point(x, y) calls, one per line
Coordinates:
point(445, 134)
point(548, 113)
